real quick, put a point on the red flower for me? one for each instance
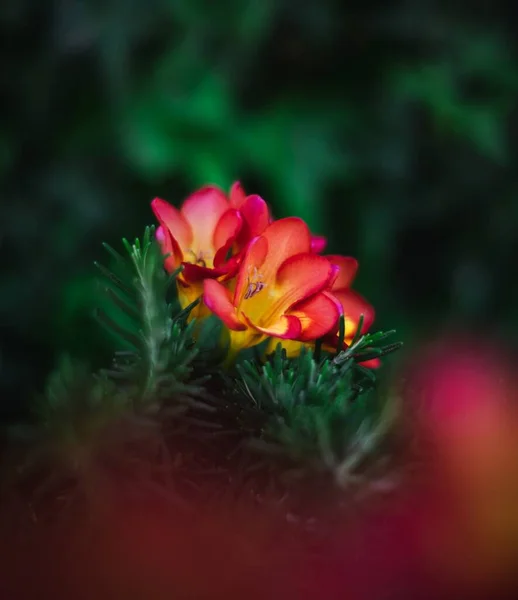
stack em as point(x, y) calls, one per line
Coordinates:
point(281, 289)
point(204, 232)
point(351, 304)
point(237, 199)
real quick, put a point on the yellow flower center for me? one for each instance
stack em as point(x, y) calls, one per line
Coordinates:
point(200, 258)
point(253, 289)
point(255, 284)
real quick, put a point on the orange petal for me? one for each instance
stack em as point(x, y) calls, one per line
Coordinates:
point(237, 195)
point(286, 238)
point(217, 298)
point(256, 216)
point(354, 306)
point(301, 276)
point(254, 258)
point(318, 243)
point(347, 269)
point(286, 327)
point(318, 315)
point(225, 234)
point(203, 210)
point(172, 219)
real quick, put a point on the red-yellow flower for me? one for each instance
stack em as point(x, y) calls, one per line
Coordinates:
point(352, 306)
point(237, 199)
point(201, 235)
point(281, 289)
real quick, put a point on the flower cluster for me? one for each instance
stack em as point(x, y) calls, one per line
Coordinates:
point(264, 278)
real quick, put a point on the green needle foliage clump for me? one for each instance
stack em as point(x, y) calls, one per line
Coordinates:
point(321, 413)
point(158, 348)
point(169, 408)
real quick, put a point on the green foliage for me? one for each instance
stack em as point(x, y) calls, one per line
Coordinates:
point(322, 414)
point(157, 361)
point(364, 347)
point(388, 126)
point(87, 424)
point(86, 439)
point(73, 397)
point(168, 394)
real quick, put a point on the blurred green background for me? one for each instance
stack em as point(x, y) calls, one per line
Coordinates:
point(389, 125)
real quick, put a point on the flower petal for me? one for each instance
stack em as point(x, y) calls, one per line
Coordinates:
point(286, 327)
point(217, 298)
point(274, 275)
point(203, 210)
point(192, 273)
point(230, 268)
point(354, 306)
point(172, 219)
point(253, 260)
point(227, 228)
point(265, 254)
point(317, 316)
point(286, 238)
point(170, 248)
point(237, 195)
point(225, 235)
point(318, 243)
point(301, 276)
point(256, 216)
point(347, 269)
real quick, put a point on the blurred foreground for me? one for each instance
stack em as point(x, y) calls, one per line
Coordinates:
point(448, 530)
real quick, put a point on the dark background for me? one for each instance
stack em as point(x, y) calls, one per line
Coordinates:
point(389, 125)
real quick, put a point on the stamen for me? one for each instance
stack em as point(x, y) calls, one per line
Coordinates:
point(253, 289)
point(197, 259)
point(192, 256)
point(255, 284)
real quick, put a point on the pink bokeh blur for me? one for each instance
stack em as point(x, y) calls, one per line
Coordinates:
point(450, 530)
